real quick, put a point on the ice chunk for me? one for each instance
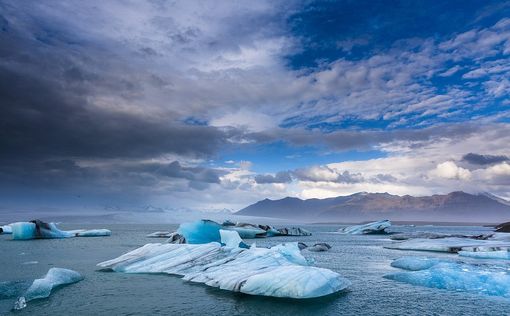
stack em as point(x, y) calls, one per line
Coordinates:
point(159, 235)
point(414, 263)
point(176, 238)
point(430, 235)
point(319, 247)
point(6, 229)
point(246, 230)
point(497, 254)
point(38, 229)
point(293, 231)
point(231, 239)
point(200, 232)
point(42, 288)
point(370, 228)
point(452, 245)
point(94, 233)
point(454, 276)
point(280, 271)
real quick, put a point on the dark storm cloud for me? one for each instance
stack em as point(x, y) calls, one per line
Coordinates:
point(478, 159)
point(280, 177)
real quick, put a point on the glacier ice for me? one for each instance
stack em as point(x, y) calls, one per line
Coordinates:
point(231, 239)
point(318, 247)
point(280, 271)
point(176, 238)
point(452, 245)
point(159, 234)
point(456, 276)
point(6, 229)
point(497, 254)
point(41, 288)
point(204, 231)
point(414, 263)
point(370, 228)
point(200, 232)
point(431, 235)
point(37, 229)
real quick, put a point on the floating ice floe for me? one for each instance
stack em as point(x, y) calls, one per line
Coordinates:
point(370, 228)
point(159, 235)
point(430, 235)
point(39, 288)
point(452, 245)
point(497, 254)
point(318, 247)
point(37, 229)
point(453, 276)
point(6, 229)
point(280, 271)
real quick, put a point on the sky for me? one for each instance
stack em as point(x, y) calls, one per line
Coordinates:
point(218, 104)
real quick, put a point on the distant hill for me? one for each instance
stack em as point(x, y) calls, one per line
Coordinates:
point(453, 207)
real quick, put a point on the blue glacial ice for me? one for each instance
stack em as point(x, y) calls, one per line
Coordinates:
point(280, 271)
point(414, 263)
point(370, 228)
point(204, 231)
point(41, 288)
point(455, 276)
point(37, 229)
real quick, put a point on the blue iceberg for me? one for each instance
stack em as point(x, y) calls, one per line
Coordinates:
point(41, 288)
point(280, 271)
point(370, 228)
point(37, 229)
point(455, 276)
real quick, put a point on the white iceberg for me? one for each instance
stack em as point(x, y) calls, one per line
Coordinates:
point(318, 247)
point(6, 229)
point(159, 234)
point(452, 245)
point(455, 276)
point(431, 235)
point(37, 229)
point(414, 263)
point(41, 288)
point(293, 231)
point(370, 228)
point(497, 254)
point(280, 271)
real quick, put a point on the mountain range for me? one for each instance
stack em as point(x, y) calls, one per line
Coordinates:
point(453, 207)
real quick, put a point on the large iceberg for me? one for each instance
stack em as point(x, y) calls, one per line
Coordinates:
point(38, 229)
point(204, 231)
point(280, 271)
point(454, 276)
point(41, 288)
point(370, 228)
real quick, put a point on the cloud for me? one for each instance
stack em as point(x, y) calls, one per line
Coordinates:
point(279, 177)
point(479, 159)
point(449, 170)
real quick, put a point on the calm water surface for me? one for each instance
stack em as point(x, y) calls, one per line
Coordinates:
point(361, 259)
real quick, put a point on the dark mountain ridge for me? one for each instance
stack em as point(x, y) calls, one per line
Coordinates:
point(453, 207)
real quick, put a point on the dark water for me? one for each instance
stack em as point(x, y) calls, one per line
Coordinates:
point(361, 259)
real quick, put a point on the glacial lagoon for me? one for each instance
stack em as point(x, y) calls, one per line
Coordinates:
point(361, 259)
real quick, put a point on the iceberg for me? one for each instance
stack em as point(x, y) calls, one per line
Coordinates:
point(370, 228)
point(452, 245)
point(200, 232)
point(318, 247)
point(414, 263)
point(497, 254)
point(280, 271)
point(430, 235)
point(159, 235)
point(41, 288)
point(246, 230)
point(38, 229)
point(293, 231)
point(6, 229)
point(176, 238)
point(455, 276)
